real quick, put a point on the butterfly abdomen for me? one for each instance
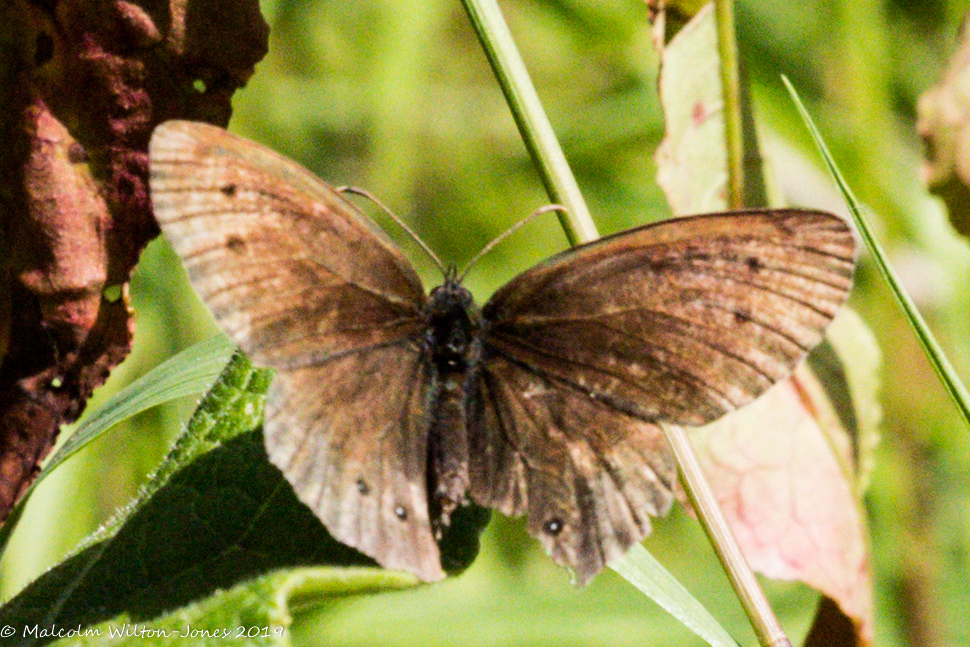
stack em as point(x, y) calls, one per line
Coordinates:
point(453, 346)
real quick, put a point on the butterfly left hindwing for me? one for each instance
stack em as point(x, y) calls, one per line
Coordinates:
point(351, 435)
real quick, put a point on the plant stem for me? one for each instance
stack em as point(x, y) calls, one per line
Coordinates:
point(548, 158)
point(931, 348)
point(534, 126)
point(727, 47)
point(698, 490)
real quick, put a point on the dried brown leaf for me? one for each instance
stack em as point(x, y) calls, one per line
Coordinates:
point(83, 85)
point(668, 17)
point(944, 124)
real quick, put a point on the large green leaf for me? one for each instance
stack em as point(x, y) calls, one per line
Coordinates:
point(215, 515)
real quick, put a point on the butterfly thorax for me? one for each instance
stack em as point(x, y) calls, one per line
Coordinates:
point(453, 342)
point(454, 324)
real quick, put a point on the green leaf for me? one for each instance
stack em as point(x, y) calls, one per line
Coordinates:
point(694, 164)
point(258, 612)
point(215, 514)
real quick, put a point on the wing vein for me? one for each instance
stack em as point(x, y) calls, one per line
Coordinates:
point(688, 379)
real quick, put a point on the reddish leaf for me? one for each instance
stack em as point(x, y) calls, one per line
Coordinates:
point(785, 471)
point(82, 84)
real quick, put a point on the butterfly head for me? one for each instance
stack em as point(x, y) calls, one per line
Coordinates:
point(453, 323)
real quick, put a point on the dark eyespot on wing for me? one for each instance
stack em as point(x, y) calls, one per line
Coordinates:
point(235, 244)
point(589, 477)
point(553, 526)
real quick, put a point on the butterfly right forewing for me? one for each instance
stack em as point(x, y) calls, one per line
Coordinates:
point(683, 320)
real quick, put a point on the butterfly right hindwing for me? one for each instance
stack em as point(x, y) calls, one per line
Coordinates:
point(588, 477)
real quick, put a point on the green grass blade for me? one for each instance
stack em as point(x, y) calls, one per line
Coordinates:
point(642, 570)
point(944, 370)
point(534, 126)
point(192, 371)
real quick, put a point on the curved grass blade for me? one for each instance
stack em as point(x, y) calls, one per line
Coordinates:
point(944, 370)
point(192, 371)
point(534, 126)
point(642, 570)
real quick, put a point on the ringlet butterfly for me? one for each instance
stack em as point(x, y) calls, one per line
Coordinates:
point(391, 407)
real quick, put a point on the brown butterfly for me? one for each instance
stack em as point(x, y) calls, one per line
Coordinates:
point(390, 407)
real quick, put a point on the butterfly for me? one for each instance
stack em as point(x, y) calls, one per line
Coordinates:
point(391, 406)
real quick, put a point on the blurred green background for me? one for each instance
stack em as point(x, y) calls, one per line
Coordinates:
point(397, 97)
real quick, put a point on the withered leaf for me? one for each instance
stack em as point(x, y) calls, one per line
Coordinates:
point(83, 85)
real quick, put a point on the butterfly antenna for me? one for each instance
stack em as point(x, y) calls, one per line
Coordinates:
point(370, 196)
point(508, 232)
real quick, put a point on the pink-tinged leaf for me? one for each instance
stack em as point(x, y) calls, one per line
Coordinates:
point(788, 469)
point(691, 159)
point(786, 473)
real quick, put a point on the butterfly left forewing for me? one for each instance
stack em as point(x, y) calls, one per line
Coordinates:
point(683, 320)
point(291, 271)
